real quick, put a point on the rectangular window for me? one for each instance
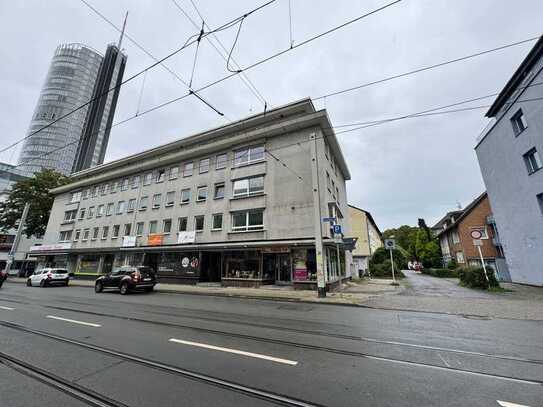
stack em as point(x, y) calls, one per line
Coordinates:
point(148, 178)
point(139, 228)
point(144, 202)
point(95, 233)
point(248, 155)
point(124, 184)
point(85, 194)
point(100, 211)
point(70, 216)
point(113, 187)
point(105, 232)
point(93, 192)
point(167, 225)
point(220, 161)
point(202, 194)
point(109, 209)
point(174, 173)
point(82, 212)
point(539, 198)
point(116, 231)
point(106, 189)
point(204, 165)
point(77, 235)
point(328, 181)
point(219, 191)
point(188, 168)
point(160, 176)
point(135, 181)
point(101, 189)
point(127, 229)
point(91, 212)
point(121, 206)
point(170, 198)
point(153, 226)
point(86, 234)
point(248, 220)
point(248, 186)
point(182, 224)
point(199, 223)
point(75, 197)
point(532, 161)
point(157, 199)
point(518, 122)
point(459, 257)
point(65, 236)
point(185, 196)
point(217, 221)
point(131, 205)
point(455, 237)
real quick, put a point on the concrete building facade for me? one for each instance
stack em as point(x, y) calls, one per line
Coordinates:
point(509, 153)
point(369, 239)
point(232, 205)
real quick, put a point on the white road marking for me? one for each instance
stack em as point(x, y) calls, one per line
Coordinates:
point(235, 351)
point(6, 308)
point(508, 404)
point(74, 321)
point(443, 360)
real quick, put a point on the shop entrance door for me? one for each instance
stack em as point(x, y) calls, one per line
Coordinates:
point(283, 268)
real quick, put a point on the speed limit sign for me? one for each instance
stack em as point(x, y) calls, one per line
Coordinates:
point(476, 234)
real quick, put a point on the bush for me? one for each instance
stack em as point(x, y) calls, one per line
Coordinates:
point(384, 269)
point(474, 277)
point(452, 265)
point(381, 255)
point(442, 273)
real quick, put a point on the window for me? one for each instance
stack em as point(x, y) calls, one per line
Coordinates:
point(455, 237)
point(185, 196)
point(220, 161)
point(326, 150)
point(202, 194)
point(182, 224)
point(170, 198)
point(204, 165)
point(248, 186)
point(187, 169)
point(82, 213)
point(115, 232)
point(217, 221)
point(101, 189)
point(69, 216)
point(106, 189)
point(91, 212)
point(248, 220)
point(95, 233)
point(124, 184)
point(518, 122)
point(248, 155)
point(139, 228)
point(121, 206)
point(75, 197)
point(135, 181)
point(157, 199)
point(127, 229)
point(65, 236)
point(105, 232)
point(219, 191)
point(459, 257)
point(174, 173)
point(93, 192)
point(100, 211)
point(328, 181)
point(109, 209)
point(167, 225)
point(113, 188)
point(153, 226)
point(148, 178)
point(160, 176)
point(86, 234)
point(131, 205)
point(85, 194)
point(532, 161)
point(77, 235)
point(144, 202)
point(199, 223)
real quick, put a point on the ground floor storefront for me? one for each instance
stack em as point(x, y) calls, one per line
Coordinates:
point(229, 266)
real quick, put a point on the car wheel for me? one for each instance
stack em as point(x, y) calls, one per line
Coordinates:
point(98, 287)
point(28, 283)
point(149, 289)
point(43, 283)
point(124, 288)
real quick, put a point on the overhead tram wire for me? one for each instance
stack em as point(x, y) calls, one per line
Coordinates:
point(188, 43)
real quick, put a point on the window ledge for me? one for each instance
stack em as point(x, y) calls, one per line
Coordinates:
point(249, 163)
point(216, 230)
point(169, 205)
point(520, 132)
point(235, 232)
point(142, 209)
point(184, 203)
point(67, 222)
point(201, 200)
point(247, 196)
point(533, 172)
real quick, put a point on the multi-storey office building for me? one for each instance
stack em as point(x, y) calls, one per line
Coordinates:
point(234, 204)
point(509, 153)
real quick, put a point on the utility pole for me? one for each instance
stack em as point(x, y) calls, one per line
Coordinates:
point(317, 218)
point(15, 244)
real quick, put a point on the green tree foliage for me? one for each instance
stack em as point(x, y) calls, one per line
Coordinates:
point(34, 190)
point(381, 255)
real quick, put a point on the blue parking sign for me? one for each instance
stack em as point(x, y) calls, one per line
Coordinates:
point(337, 229)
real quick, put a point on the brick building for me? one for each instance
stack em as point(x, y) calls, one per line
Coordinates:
point(456, 241)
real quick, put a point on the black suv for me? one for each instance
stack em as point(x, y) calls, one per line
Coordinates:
point(126, 279)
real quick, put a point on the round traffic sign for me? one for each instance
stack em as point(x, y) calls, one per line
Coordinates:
point(476, 234)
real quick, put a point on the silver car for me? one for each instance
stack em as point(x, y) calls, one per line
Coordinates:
point(48, 276)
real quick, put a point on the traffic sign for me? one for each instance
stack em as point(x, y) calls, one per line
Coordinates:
point(336, 229)
point(390, 244)
point(476, 234)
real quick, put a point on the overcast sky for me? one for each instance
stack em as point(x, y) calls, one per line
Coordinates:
point(401, 171)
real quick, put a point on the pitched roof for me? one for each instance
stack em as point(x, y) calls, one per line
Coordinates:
point(465, 213)
point(369, 217)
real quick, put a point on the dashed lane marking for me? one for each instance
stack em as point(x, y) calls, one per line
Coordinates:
point(74, 321)
point(6, 308)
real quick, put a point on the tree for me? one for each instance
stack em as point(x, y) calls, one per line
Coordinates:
point(35, 191)
point(418, 243)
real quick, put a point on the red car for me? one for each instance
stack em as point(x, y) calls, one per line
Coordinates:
point(3, 276)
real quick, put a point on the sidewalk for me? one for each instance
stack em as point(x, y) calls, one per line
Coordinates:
point(352, 293)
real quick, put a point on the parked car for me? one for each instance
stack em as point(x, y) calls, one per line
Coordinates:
point(126, 279)
point(48, 276)
point(3, 276)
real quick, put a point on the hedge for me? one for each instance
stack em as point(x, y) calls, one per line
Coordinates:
point(384, 269)
point(474, 277)
point(442, 273)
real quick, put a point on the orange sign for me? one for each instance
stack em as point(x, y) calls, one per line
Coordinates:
point(155, 239)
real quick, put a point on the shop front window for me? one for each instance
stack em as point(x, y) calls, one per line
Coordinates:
point(304, 265)
point(88, 264)
point(245, 265)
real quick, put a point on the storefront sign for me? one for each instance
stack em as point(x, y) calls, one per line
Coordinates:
point(129, 241)
point(51, 247)
point(276, 249)
point(186, 237)
point(155, 239)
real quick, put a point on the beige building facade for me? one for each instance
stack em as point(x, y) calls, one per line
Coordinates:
point(368, 235)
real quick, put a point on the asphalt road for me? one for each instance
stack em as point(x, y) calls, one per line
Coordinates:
point(67, 346)
point(422, 284)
